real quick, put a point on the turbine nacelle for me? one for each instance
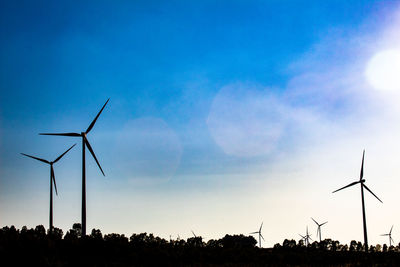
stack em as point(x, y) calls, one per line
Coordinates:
point(52, 176)
point(84, 137)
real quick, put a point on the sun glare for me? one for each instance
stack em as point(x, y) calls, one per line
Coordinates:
point(383, 70)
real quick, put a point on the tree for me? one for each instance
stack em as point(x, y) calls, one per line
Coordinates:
point(195, 241)
point(74, 233)
point(277, 246)
point(289, 243)
point(96, 234)
point(360, 246)
point(353, 245)
point(40, 231)
point(116, 238)
point(335, 245)
point(56, 233)
point(238, 241)
point(77, 227)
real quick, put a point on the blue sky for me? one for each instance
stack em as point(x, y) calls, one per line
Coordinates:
point(222, 114)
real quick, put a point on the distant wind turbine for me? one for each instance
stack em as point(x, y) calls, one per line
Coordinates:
point(390, 236)
point(85, 143)
point(259, 234)
point(52, 179)
point(193, 233)
point(306, 238)
point(361, 182)
point(319, 229)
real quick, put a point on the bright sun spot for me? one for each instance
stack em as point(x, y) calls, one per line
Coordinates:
point(383, 70)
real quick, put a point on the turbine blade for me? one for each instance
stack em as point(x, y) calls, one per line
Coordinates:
point(95, 119)
point(302, 236)
point(346, 186)
point(314, 220)
point(94, 156)
point(362, 167)
point(372, 193)
point(323, 223)
point(253, 233)
point(310, 238)
point(392, 239)
point(262, 237)
point(384, 234)
point(57, 159)
point(43, 160)
point(391, 230)
point(261, 227)
point(190, 230)
point(54, 178)
point(62, 134)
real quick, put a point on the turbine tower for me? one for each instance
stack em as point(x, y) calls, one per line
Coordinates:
point(319, 229)
point(259, 234)
point(390, 236)
point(85, 143)
point(362, 185)
point(306, 238)
point(52, 179)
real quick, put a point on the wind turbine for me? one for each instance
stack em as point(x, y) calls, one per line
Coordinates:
point(52, 179)
point(259, 234)
point(390, 236)
point(362, 185)
point(306, 238)
point(193, 234)
point(319, 228)
point(85, 143)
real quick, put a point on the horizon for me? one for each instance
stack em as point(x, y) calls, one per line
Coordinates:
point(221, 116)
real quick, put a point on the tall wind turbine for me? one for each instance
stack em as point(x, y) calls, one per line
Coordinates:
point(362, 185)
point(85, 143)
point(319, 229)
point(390, 236)
point(306, 238)
point(259, 234)
point(52, 179)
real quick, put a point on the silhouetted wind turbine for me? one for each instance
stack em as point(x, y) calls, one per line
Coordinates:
point(319, 228)
point(390, 236)
point(361, 182)
point(306, 238)
point(85, 143)
point(259, 234)
point(52, 179)
point(193, 233)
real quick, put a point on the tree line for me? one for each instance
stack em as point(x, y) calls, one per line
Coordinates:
point(36, 246)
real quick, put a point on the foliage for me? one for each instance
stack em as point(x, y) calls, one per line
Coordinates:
point(30, 247)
